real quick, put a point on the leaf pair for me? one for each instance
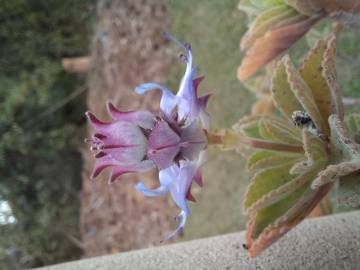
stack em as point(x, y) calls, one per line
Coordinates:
point(279, 25)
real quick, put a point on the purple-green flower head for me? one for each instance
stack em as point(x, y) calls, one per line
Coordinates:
point(173, 141)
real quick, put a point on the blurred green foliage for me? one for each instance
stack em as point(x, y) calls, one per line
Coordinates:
point(40, 163)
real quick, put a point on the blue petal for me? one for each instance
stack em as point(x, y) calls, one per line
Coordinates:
point(168, 100)
point(173, 38)
point(168, 175)
point(181, 184)
point(162, 190)
point(188, 108)
point(186, 86)
point(182, 220)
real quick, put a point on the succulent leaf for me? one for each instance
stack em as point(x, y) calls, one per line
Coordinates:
point(269, 224)
point(266, 181)
point(349, 190)
point(266, 3)
point(346, 155)
point(306, 7)
point(341, 140)
point(275, 182)
point(352, 122)
point(249, 126)
point(309, 71)
point(263, 106)
point(284, 99)
point(264, 22)
point(341, 5)
point(282, 23)
point(263, 159)
point(269, 128)
point(272, 44)
point(329, 73)
point(312, 89)
point(276, 130)
point(304, 94)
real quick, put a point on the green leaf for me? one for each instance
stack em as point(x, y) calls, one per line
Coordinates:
point(265, 21)
point(266, 3)
point(315, 153)
point(262, 159)
point(274, 129)
point(329, 73)
point(353, 123)
point(247, 7)
point(345, 155)
point(267, 180)
point(311, 73)
point(270, 214)
point(341, 140)
point(249, 126)
point(258, 197)
point(267, 132)
point(306, 7)
point(348, 192)
point(304, 95)
point(284, 98)
point(270, 223)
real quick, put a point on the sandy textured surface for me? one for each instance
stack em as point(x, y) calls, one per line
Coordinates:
point(331, 242)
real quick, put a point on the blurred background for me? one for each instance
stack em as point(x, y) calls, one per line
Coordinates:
point(60, 58)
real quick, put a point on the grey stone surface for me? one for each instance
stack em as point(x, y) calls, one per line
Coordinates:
point(331, 242)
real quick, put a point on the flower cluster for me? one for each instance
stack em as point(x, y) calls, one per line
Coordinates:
point(173, 141)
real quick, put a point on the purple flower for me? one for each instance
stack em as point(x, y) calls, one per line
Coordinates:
point(173, 141)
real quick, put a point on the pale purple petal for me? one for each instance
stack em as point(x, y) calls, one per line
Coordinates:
point(163, 145)
point(160, 191)
point(166, 178)
point(204, 116)
point(198, 175)
point(196, 83)
point(123, 141)
point(189, 195)
point(193, 140)
point(173, 38)
point(118, 168)
point(182, 220)
point(96, 123)
point(103, 163)
point(126, 155)
point(168, 99)
point(187, 104)
point(181, 184)
point(164, 158)
point(198, 178)
point(118, 132)
point(144, 119)
point(138, 167)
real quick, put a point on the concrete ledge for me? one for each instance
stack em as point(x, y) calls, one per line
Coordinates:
point(331, 242)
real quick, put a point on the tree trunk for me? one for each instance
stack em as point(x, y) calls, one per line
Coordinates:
point(125, 52)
